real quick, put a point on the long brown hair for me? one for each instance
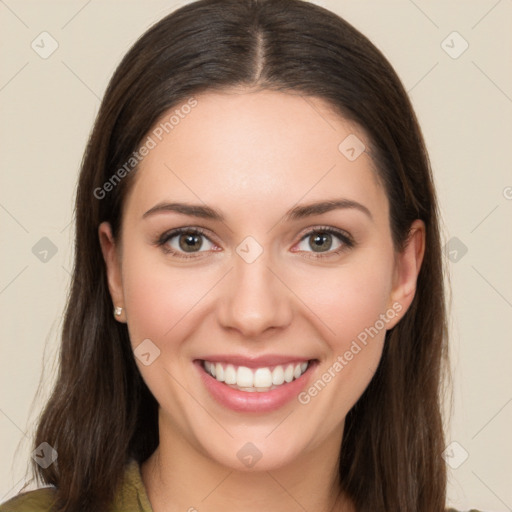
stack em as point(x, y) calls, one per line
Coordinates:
point(101, 413)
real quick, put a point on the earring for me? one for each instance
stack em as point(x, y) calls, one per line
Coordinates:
point(117, 311)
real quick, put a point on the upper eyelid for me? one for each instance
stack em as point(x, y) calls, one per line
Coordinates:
point(333, 229)
point(171, 233)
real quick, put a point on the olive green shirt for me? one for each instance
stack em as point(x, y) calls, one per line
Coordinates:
point(132, 496)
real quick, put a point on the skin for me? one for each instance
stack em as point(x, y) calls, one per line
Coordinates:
point(253, 156)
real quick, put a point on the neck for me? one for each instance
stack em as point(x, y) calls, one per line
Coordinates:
point(178, 477)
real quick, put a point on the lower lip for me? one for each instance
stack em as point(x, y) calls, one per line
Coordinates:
point(256, 401)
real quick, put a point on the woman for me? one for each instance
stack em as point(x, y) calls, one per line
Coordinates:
point(257, 317)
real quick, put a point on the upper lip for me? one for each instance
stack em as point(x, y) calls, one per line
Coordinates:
point(255, 362)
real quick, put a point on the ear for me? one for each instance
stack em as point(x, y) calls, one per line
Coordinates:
point(407, 267)
point(111, 255)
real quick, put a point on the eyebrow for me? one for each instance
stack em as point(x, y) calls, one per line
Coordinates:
point(298, 212)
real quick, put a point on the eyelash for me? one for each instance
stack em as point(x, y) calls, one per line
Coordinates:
point(347, 241)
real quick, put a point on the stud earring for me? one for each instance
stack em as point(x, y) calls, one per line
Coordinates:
point(117, 311)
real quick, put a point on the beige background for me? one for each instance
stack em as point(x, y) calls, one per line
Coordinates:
point(464, 105)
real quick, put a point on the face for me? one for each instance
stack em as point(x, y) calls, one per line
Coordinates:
point(256, 286)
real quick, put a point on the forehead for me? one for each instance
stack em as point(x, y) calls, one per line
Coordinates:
point(264, 148)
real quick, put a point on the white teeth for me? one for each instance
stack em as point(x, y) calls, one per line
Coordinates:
point(219, 372)
point(230, 374)
point(262, 378)
point(259, 379)
point(288, 373)
point(278, 375)
point(244, 377)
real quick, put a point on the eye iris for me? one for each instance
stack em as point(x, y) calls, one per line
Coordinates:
point(320, 239)
point(190, 242)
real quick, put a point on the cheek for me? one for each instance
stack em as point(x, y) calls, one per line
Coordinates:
point(159, 305)
point(350, 298)
point(157, 298)
point(352, 303)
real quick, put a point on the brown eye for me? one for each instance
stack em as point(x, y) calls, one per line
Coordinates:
point(320, 241)
point(185, 240)
point(190, 242)
point(325, 242)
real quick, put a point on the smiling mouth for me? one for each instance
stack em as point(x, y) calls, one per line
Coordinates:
point(261, 379)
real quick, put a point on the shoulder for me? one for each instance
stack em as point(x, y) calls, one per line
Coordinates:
point(39, 500)
point(130, 497)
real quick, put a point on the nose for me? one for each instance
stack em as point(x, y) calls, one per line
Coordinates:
point(254, 298)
